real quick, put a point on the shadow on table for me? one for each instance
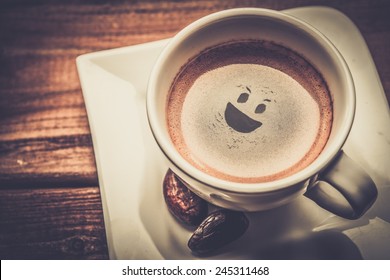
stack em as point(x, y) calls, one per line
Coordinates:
point(325, 245)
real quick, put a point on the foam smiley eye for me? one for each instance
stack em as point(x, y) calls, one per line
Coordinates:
point(260, 108)
point(243, 97)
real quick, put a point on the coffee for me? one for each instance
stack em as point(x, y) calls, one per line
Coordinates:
point(249, 111)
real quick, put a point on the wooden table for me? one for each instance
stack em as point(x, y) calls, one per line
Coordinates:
point(50, 205)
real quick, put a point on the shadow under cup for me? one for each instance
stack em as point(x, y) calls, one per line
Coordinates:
point(257, 24)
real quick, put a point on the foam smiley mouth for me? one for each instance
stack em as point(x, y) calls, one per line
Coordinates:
point(239, 121)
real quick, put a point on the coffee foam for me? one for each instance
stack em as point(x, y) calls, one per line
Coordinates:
point(295, 115)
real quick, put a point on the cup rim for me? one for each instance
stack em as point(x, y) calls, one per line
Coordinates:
point(236, 187)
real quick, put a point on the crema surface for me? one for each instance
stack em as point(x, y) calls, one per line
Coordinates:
point(249, 112)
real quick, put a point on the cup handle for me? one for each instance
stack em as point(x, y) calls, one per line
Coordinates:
point(343, 188)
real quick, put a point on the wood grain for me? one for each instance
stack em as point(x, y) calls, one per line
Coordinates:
point(49, 196)
point(47, 162)
point(61, 223)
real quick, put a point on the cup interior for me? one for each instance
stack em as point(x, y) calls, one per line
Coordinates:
point(258, 24)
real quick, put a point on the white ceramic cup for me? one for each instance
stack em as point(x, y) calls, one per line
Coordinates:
point(332, 180)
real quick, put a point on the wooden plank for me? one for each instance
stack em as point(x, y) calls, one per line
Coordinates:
point(52, 224)
point(47, 162)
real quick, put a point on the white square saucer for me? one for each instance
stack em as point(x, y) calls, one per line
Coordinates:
point(131, 170)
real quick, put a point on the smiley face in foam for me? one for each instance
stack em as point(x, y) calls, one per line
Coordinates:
point(240, 121)
point(248, 119)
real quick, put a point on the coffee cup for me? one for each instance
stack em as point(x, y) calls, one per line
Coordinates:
point(251, 108)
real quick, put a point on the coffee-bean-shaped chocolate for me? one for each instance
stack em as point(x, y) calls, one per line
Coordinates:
point(217, 230)
point(185, 205)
